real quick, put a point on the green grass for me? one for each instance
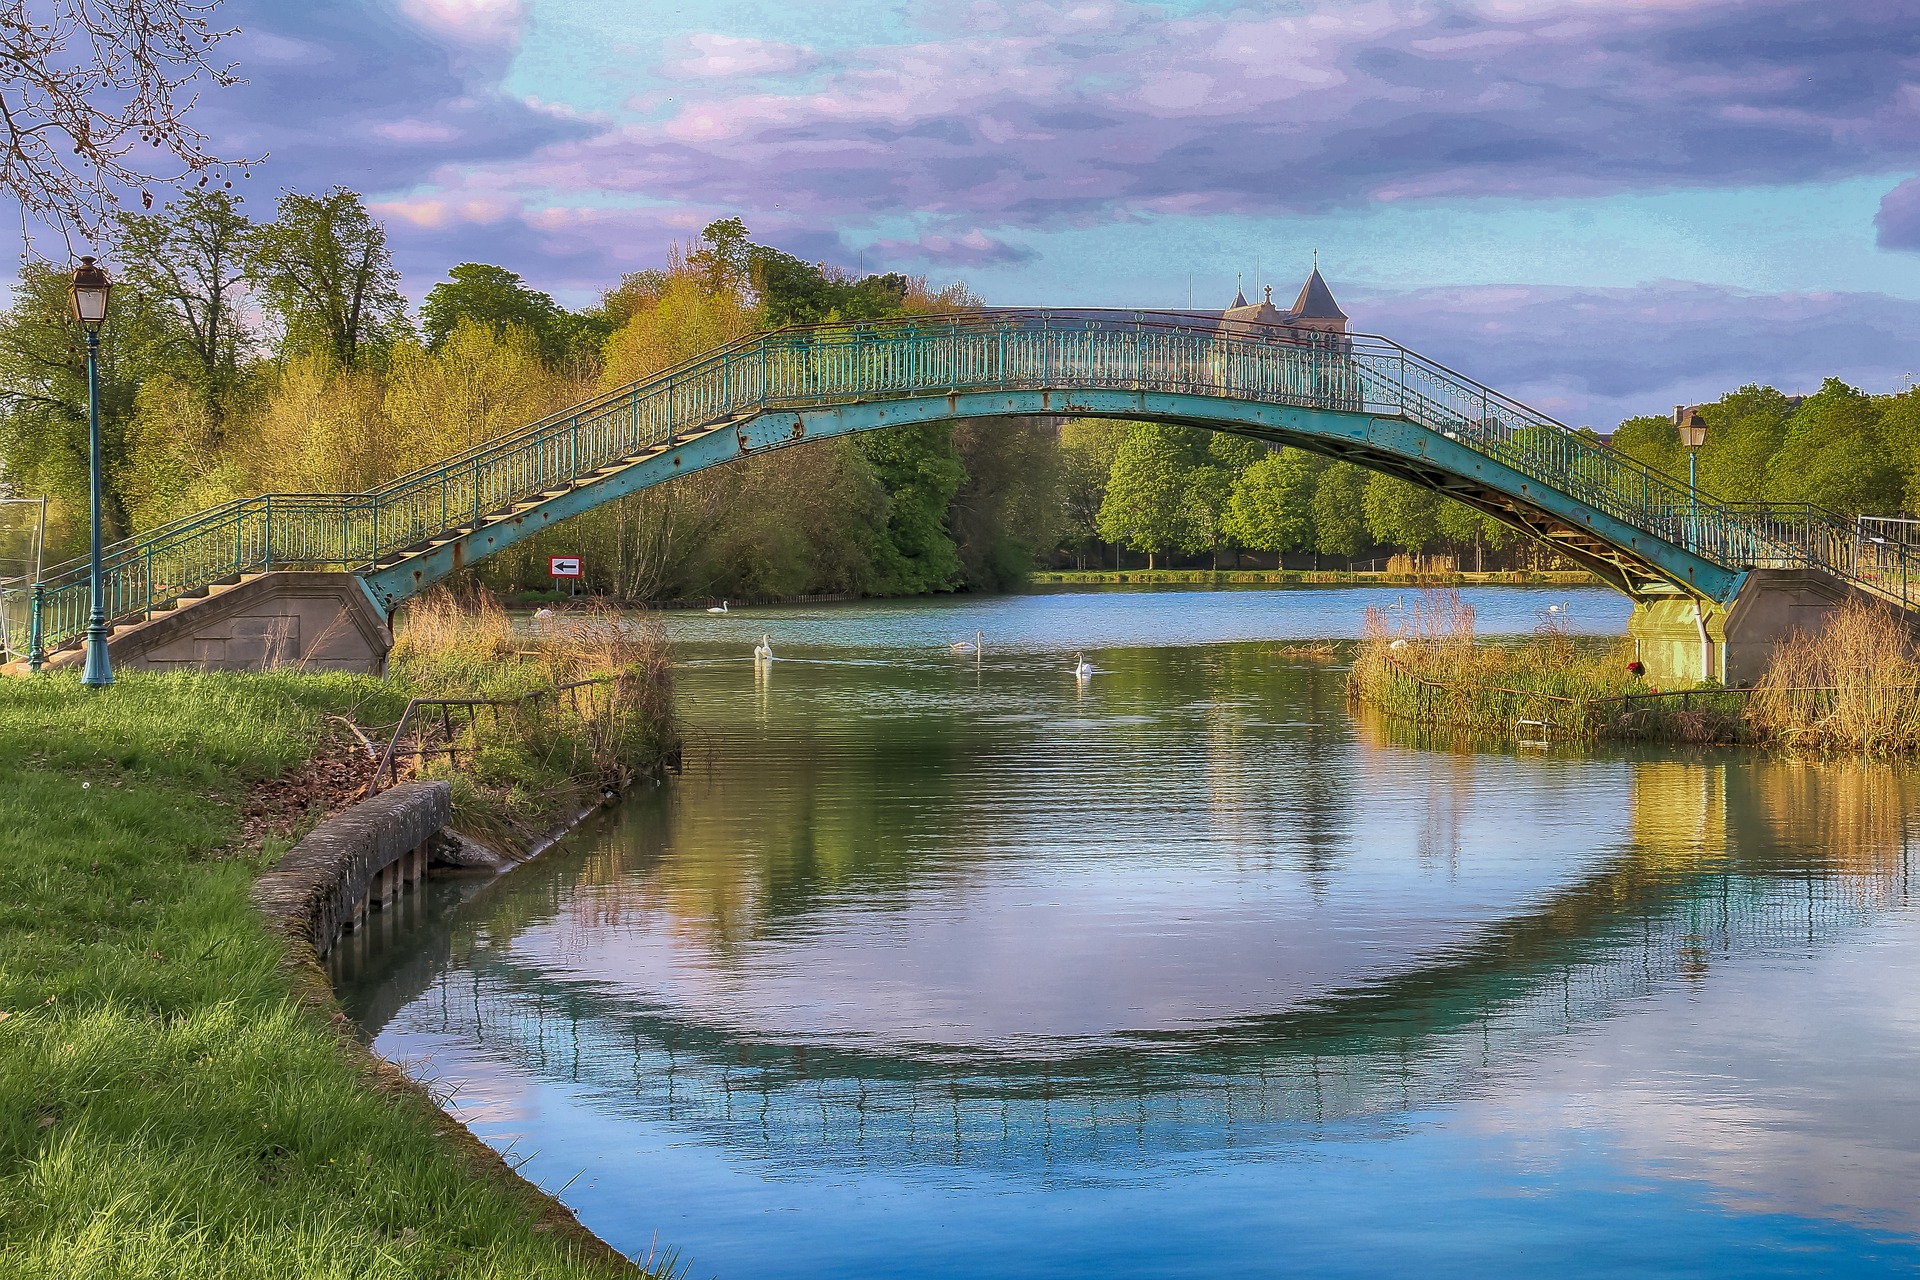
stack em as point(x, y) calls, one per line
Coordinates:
point(170, 1106)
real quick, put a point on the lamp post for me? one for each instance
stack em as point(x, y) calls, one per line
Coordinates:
point(89, 292)
point(1693, 434)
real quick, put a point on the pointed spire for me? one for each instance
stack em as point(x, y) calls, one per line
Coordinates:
point(1239, 291)
point(1316, 300)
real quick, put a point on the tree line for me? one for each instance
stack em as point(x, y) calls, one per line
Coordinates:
point(249, 356)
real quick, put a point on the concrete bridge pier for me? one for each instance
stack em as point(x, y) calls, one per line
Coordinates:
point(1685, 639)
point(258, 622)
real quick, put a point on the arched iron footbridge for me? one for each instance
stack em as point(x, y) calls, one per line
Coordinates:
point(1360, 398)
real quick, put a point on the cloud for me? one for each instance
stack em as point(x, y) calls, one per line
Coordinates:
point(354, 94)
point(479, 22)
point(1898, 222)
point(973, 249)
point(1596, 356)
point(718, 56)
point(1076, 111)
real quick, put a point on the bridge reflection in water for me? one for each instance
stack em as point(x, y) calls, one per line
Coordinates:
point(1711, 860)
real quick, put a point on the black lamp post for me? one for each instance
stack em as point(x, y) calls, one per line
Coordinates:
point(89, 292)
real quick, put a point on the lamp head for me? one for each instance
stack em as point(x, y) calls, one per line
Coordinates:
point(88, 293)
point(1693, 427)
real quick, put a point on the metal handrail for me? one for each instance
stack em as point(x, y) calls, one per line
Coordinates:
point(811, 366)
point(388, 765)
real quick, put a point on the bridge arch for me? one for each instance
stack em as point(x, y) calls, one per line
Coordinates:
point(1356, 397)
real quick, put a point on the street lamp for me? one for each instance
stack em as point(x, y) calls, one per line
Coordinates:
point(89, 292)
point(1693, 434)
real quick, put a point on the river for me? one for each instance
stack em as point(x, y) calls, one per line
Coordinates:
point(949, 964)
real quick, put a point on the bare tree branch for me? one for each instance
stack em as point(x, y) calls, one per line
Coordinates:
point(95, 97)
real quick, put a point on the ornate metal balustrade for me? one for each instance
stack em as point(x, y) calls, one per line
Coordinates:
point(802, 368)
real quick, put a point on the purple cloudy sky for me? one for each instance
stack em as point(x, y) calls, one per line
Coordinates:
point(1602, 206)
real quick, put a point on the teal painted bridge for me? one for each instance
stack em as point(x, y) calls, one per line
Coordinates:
point(1364, 399)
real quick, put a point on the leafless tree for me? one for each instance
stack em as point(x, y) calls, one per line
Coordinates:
point(95, 97)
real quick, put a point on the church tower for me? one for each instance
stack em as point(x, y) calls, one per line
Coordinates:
point(1315, 308)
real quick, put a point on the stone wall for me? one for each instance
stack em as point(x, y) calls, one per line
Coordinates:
point(288, 618)
point(1739, 637)
point(354, 862)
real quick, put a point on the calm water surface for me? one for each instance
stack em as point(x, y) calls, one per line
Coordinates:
point(936, 965)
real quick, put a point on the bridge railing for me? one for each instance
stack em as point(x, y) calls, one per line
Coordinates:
point(980, 351)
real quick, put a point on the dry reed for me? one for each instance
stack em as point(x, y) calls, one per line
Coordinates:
point(1854, 685)
point(1424, 663)
point(547, 745)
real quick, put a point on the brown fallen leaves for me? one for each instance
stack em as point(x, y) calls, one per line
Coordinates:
point(325, 785)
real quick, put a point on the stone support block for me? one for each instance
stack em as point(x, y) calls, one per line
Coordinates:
point(353, 861)
point(1683, 641)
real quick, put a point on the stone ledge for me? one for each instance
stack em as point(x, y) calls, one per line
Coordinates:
point(325, 882)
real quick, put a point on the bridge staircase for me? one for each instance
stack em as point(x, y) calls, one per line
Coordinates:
point(1362, 398)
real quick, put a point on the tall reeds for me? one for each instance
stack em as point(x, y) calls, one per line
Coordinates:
point(582, 703)
point(1422, 662)
point(1854, 685)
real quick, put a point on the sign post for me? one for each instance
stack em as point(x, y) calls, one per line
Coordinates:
point(567, 567)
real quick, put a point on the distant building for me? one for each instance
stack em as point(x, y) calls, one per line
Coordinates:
point(1314, 310)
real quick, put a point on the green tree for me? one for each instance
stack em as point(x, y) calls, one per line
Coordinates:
point(1339, 518)
point(1654, 441)
point(1271, 505)
point(1087, 448)
point(194, 261)
point(329, 276)
point(1150, 501)
point(921, 471)
point(1834, 455)
point(43, 397)
point(1900, 429)
point(486, 295)
point(1400, 513)
point(1745, 428)
point(1009, 509)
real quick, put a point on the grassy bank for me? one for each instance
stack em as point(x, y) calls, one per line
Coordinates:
point(1426, 664)
point(176, 1099)
point(1303, 577)
point(516, 768)
point(1854, 686)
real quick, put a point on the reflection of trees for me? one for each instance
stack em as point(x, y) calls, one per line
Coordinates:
point(773, 821)
point(1724, 853)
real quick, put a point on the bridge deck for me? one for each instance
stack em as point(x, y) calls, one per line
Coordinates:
point(1358, 397)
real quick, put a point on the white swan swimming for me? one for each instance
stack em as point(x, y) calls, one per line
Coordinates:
point(763, 652)
point(721, 609)
point(968, 646)
point(1082, 669)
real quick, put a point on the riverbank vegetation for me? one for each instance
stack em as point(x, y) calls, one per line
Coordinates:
point(240, 360)
point(579, 705)
point(1852, 686)
point(172, 1101)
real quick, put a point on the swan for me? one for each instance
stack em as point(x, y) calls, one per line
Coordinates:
point(763, 652)
point(1082, 669)
point(967, 646)
point(721, 609)
point(1557, 608)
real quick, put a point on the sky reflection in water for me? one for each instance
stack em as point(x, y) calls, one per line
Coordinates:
point(936, 966)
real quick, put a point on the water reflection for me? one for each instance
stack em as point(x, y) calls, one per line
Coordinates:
point(958, 924)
